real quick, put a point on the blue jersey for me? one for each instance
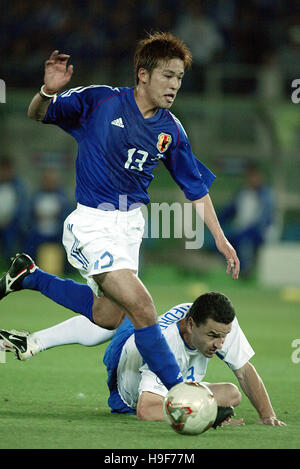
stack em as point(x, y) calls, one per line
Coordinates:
point(118, 148)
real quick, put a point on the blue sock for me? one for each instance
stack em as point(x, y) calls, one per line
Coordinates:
point(156, 352)
point(72, 295)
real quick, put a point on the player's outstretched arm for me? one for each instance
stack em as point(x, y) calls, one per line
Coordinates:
point(57, 75)
point(223, 245)
point(254, 388)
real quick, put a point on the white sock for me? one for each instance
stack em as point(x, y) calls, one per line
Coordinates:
point(76, 330)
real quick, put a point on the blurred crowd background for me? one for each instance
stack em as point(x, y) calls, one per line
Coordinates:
point(101, 35)
point(235, 104)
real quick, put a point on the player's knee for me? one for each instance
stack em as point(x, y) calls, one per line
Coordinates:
point(235, 396)
point(143, 412)
point(141, 415)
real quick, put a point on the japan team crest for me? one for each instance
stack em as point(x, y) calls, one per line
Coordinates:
point(163, 142)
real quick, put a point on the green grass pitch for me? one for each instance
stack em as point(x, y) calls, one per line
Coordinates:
point(57, 400)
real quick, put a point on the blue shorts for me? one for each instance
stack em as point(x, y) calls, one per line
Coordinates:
point(111, 361)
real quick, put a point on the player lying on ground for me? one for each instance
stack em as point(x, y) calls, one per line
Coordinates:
point(122, 134)
point(195, 332)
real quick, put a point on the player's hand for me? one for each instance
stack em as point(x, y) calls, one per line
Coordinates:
point(57, 73)
point(272, 421)
point(235, 422)
point(228, 251)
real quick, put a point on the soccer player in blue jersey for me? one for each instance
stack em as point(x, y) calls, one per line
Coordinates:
point(122, 133)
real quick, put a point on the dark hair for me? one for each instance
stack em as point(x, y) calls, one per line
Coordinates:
point(159, 46)
point(212, 305)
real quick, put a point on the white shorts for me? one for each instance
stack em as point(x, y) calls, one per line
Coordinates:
point(98, 241)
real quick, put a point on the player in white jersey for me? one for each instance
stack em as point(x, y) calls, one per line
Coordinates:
point(195, 333)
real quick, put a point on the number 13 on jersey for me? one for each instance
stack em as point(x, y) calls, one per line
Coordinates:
point(138, 162)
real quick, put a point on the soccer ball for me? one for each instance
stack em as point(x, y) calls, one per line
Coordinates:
point(190, 408)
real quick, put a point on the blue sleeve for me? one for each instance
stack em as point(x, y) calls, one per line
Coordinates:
point(192, 176)
point(72, 107)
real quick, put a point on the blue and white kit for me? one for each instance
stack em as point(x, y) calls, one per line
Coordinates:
point(128, 376)
point(118, 149)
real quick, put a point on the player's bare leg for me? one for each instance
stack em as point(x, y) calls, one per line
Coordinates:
point(227, 394)
point(108, 312)
point(129, 293)
point(123, 292)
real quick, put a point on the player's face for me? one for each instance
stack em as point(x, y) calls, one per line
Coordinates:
point(164, 82)
point(208, 337)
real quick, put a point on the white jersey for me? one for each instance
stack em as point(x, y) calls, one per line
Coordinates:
point(134, 376)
